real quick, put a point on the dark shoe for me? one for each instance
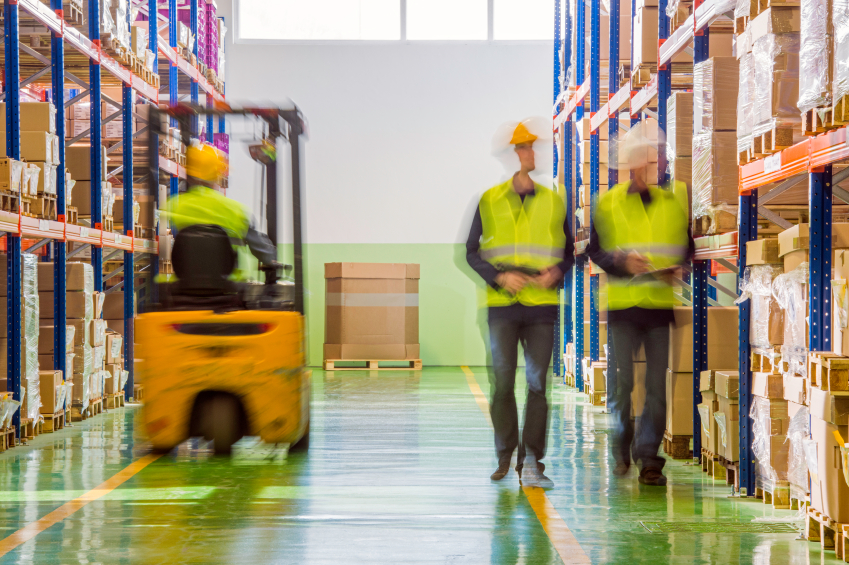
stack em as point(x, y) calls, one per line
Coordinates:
point(653, 477)
point(520, 466)
point(501, 472)
point(622, 468)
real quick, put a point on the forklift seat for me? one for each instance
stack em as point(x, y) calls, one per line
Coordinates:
point(203, 260)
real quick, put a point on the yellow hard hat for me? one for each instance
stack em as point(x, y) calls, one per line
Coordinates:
point(522, 135)
point(205, 163)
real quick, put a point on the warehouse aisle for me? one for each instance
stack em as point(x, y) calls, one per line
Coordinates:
point(398, 472)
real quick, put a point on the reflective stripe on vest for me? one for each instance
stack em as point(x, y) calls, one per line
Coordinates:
point(525, 234)
point(657, 231)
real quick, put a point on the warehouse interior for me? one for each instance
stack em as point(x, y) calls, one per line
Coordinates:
point(258, 305)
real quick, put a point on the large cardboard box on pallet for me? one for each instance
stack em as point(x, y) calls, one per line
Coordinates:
point(709, 432)
point(371, 311)
point(75, 276)
point(798, 238)
point(679, 403)
point(728, 423)
point(722, 339)
point(35, 116)
point(829, 491)
point(49, 382)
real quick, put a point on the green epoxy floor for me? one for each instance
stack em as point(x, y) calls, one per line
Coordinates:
point(398, 472)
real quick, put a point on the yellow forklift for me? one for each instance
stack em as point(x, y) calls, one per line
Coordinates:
point(220, 359)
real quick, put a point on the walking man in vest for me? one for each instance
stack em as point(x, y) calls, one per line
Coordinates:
point(520, 244)
point(640, 237)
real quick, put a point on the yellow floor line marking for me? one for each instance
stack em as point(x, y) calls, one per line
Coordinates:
point(558, 532)
point(34, 528)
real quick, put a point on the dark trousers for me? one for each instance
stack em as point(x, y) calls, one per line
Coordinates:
point(538, 341)
point(628, 337)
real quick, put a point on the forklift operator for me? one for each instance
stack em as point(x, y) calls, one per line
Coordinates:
point(203, 204)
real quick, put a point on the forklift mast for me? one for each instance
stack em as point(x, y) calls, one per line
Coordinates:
point(275, 118)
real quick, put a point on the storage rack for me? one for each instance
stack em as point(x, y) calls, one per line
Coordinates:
point(812, 157)
point(182, 77)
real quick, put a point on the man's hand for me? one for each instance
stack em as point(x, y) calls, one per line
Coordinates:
point(635, 264)
point(671, 276)
point(511, 281)
point(548, 277)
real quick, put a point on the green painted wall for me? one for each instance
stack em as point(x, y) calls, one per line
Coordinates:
point(451, 327)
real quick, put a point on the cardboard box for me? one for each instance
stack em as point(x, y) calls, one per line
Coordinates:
point(767, 322)
point(111, 340)
point(77, 305)
point(795, 389)
point(710, 431)
point(147, 206)
point(598, 376)
point(679, 403)
point(795, 258)
point(583, 129)
point(762, 252)
point(707, 381)
point(829, 491)
point(75, 276)
point(111, 385)
point(98, 332)
point(79, 111)
point(78, 163)
point(797, 237)
point(37, 146)
point(35, 116)
point(715, 173)
point(730, 410)
point(728, 384)
point(680, 123)
point(82, 331)
point(775, 20)
point(716, 110)
point(769, 386)
point(645, 38)
point(118, 325)
point(722, 339)
point(49, 382)
point(602, 154)
point(371, 311)
point(113, 306)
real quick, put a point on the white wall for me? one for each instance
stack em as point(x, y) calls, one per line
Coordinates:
point(400, 133)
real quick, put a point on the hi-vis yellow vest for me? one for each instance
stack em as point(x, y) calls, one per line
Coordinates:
point(528, 235)
point(657, 231)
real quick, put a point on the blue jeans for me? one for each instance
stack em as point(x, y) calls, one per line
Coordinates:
point(628, 337)
point(538, 342)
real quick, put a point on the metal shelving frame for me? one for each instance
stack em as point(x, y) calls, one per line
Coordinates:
point(59, 232)
point(813, 157)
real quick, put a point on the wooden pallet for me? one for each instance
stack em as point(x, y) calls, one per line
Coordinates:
point(817, 120)
point(779, 498)
point(94, 408)
point(26, 206)
point(828, 371)
point(7, 438)
point(680, 16)
point(138, 393)
point(569, 379)
point(54, 422)
point(769, 362)
point(373, 364)
point(718, 221)
point(72, 217)
point(73, 12)
point(744, 157)
point(840, 111)
point(10, 201)
point(732, 474)
point(677, 447)
point(740, 24)
point(712, 465)
point(108, 223)
point(115, 400)
point(44, 207)
point(821, 528)
point(641, 75)
point(772, 141)
point(31, 428)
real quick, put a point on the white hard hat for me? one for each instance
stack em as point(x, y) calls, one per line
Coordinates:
point(638, 147)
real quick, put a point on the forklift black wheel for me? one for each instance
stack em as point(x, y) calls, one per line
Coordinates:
point(302, 444)
point(224, 423)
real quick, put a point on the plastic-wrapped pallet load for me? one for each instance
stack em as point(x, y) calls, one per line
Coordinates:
point(776, 115)
point(766, 316)
point(769, 442)
point(798, 432)
point(840, 78)
point(815, 55)
point(679, 139)
point(714, 146)
point(30, 335)
point(790, 291)
point(826, 464)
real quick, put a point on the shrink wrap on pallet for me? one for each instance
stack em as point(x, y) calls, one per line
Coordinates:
point(790, 291)
point(8, 407)
point(770, 450)
point(679, 125)
point(815, 65)
point(765, 314)
point(776, 59)
point(715, 173)
point(715, 87)
point(30, 334)
point(840, 21)
point(797, 432)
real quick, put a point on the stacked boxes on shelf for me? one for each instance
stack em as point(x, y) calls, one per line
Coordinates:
point(79, 301)
point(722, 354)
point(714, 169)
point(709, 428)
point(679, 138)
point(816, 64)
point(727, 416)
point(826, 455)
